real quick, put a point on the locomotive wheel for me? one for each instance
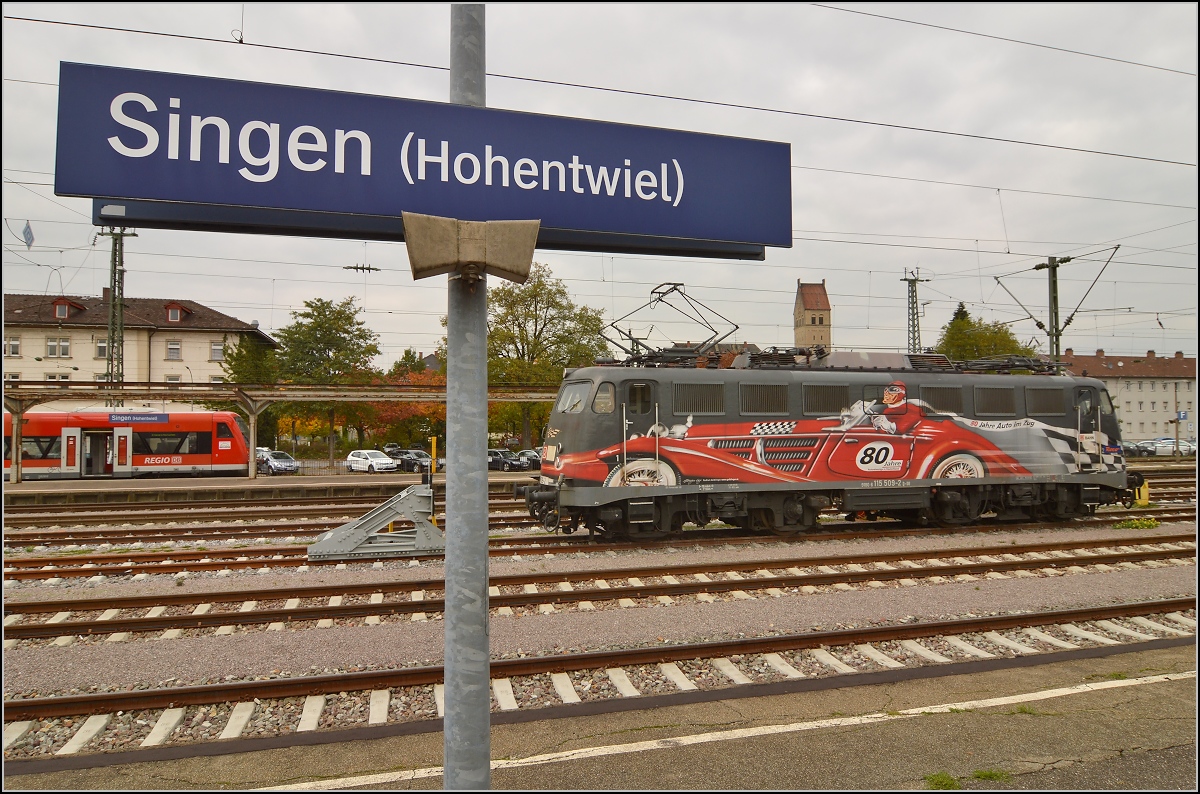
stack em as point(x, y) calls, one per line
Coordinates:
point(957, 467)
point(642, 471)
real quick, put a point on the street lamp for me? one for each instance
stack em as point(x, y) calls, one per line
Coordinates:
point(192, 378)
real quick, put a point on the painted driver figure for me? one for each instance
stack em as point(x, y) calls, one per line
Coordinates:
point(892, 416)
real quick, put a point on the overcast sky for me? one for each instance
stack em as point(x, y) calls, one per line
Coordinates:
point(858, 232)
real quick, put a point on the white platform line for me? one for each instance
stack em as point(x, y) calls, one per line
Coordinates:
point(724, 736)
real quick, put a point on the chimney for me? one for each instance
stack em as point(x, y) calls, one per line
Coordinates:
point(106, 296)
point(1068, 352)
point(1100, 352)
point(1149, 354)
point(1178, 354)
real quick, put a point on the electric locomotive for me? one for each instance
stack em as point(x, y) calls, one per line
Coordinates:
point(774, 439)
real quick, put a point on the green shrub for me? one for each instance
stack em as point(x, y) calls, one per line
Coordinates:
point(1137, 523)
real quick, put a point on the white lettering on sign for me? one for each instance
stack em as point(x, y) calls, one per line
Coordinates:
point(601, 180)
point(878, 456)
point(163, 459)
point(224, 445)
point(300, 141)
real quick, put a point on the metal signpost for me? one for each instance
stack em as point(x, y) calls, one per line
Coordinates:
point(471, 190)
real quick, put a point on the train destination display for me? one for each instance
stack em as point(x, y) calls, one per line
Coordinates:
point(327, 159)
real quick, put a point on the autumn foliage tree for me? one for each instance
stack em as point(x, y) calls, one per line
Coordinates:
point(965, 338)
point(534, 331)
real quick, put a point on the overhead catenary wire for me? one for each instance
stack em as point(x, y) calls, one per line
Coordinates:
point(623, 91)
point(1004, 38)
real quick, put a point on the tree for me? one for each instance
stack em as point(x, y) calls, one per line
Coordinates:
point(965, 338)
point(534, 331)
point(252, 361)
point(328, 344)
point(410, 361)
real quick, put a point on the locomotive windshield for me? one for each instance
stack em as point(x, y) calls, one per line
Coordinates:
point(572, 398)
point(1106, 406)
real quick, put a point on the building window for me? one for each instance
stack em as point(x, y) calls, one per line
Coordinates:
point(1128, 406)
point(1151, 385)
point(59, 347)
point(102, 348)
point(216, 350)
point(820, 321)
point(812, 320)
point(1139, 385)
point(1154, 427)
point(1189, 405)
point(12, 346)
point(1154, 405)
point(1141, 427)
point(174, 350)
point(173, 315)
point(172, 378)
point(12, 375)
point(1164, 387)
point(216, 379)
point(60, 311)
point(58, 376)
point(1141, 406)
point(101, 377)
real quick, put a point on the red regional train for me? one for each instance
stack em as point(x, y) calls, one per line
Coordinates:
point(769, 443)
point(63, 446)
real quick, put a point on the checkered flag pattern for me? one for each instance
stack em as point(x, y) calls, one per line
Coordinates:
point(772, 428)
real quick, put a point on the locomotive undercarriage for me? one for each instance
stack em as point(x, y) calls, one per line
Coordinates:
point(656, 516)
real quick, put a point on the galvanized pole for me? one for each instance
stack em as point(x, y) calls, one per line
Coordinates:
point(467, 743)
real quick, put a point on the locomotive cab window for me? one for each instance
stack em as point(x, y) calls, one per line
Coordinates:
point(641, 398)
point(223, 430)
point(1106, 406)
point(606, 400)
point(572, 398)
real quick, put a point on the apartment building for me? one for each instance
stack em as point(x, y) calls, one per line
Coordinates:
point(1149, 392)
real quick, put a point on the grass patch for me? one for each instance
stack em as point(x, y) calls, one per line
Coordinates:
point(1118, 676)
point(1137, 523)
point(1025, 708)
point(960, 711)
point(940, 781)
point(991, 774)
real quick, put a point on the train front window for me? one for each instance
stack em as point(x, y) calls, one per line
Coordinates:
point(1106, 406)
point(572, 398)
point(245, 428)
point(605, 401)
point(223, 430)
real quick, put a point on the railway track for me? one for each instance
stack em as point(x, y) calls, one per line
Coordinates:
point(1169, 483)
point(371, 602)
point(183, 562)
point(729, 667)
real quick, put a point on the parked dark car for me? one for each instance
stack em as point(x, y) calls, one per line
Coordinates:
point(1132, 449)
point(391, 448)
point(423, 459)
point(405, 459)
point(535, 460)
point(505, 460)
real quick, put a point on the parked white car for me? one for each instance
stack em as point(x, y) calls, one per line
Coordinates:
point(370, 461)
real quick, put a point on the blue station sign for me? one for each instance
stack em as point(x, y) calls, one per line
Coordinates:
point(180, 151)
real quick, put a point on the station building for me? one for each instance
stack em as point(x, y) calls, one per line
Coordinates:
point(1148, 391)
point(65, 338)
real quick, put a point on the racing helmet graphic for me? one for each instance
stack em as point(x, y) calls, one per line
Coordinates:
point(894, 395)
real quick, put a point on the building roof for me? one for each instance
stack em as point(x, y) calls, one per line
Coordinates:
point(1150, 365)
point(812, 297)
point(92, 312)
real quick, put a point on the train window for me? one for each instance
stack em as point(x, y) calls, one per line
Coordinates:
point(641, 398)
point(826, 398)
point(942, 399)
point(764, 398)
point(1106, 406)
point(223, 430)
point(172, 443)
point(995, 401)
point(572, 398)
point(699, 398)
point(36, 447)
point(606, 400)
point(1041, 401)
